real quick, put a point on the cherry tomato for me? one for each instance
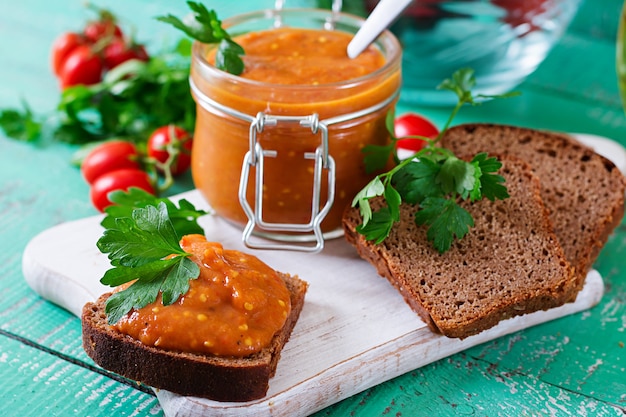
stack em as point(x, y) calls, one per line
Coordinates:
point(119, 51)
point(121, 179)
point(104, 28)
point(412, 124)
point(62, 47)
point(82, 66)
point(168, 140)
point(107, 157)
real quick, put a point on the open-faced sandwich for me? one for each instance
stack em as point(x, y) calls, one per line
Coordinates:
point(220, 338)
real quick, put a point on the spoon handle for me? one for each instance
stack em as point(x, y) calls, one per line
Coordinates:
point(385, 12)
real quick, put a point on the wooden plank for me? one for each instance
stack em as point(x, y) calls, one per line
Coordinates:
point(584, 356)
point(464, 385)
point(34, 382)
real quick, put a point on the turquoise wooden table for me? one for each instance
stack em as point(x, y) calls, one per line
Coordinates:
point(572, 366)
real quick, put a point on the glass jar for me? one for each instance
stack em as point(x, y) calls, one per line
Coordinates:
point(286, 160)
point(503, 41)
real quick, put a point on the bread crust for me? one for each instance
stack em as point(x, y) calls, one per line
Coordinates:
point(486, 277)
point(189, 374)
point(583, 190)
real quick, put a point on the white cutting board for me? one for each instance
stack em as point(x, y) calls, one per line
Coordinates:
point(355, 331)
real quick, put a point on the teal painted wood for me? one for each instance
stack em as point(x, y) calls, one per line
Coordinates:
point(573, 366)
point(34, 383)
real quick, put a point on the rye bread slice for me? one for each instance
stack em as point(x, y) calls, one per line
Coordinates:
point(509, 264)
point(214, 377)
point(583, 191)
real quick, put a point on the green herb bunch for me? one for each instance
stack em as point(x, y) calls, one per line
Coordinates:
point(141, 238)
point(130, 102)
point(134, 98)
point(433, 179)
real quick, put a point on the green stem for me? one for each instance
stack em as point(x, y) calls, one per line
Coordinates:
point(456, 109)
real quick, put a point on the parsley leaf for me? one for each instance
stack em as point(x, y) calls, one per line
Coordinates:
point(456, 177)
point(207, 28)
point(20, 124)
point(447, 221)
point(373, 189)
point(379, 226)
point(228, 57)
point(461, 84)
point(145, 248)
point(433, 179)
point(170, 277)
point(418, 181)
point(378, 156)
point(491, 184)
point(184, 217)
point(146, 236)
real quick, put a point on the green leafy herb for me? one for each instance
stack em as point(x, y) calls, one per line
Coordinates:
point(133, 100)
point(144, 248)
point(184, 218)
point(207, 28)
point(20, 124)
point(433, 178)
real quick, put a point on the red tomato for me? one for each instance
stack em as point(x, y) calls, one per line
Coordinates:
point(107, 157)
point(118, 52)
point(521, 12)
point(412, 124)
point(82, 66)
point(168, 140)
point(104, 28)
point(62, 47)
point(121, 179)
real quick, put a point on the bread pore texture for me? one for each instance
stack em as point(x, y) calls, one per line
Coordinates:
point(510, 263)
point(583, 191)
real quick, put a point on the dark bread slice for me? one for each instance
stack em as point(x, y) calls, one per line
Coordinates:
point(509, 264)
point(214, 377)
point(583, 191)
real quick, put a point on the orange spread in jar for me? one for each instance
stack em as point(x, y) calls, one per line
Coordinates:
point(290, 72)
point(304, 56)
point(233, 308)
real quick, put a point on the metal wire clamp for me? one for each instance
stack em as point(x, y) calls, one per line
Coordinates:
point(255, 157)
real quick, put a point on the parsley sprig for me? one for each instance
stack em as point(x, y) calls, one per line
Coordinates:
point(21, 124)
point(184, 218)
point(141, 238)
point(434, 179)
point(207, 28)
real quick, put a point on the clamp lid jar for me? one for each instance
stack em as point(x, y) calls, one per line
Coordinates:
point(278, 148)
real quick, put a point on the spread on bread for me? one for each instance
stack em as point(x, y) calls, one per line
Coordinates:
point(220, 378)
point(233, 308)
point(187, 315)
